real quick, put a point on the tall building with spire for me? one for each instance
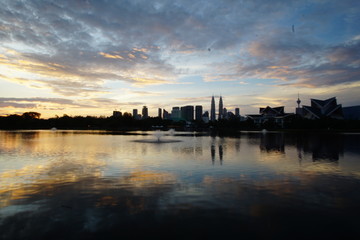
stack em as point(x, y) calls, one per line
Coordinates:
point(212, 110)
point(221, 109)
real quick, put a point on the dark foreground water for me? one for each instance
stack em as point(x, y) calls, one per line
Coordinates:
point(92, 185)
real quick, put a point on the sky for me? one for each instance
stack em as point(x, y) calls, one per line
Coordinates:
point(83, 57)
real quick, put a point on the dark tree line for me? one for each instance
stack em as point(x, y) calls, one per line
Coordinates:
point(32, 120)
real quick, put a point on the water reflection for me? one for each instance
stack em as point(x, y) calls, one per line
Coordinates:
point(220, 148)
point(272, 142)
point(221, 153)
point(80, 186)
point(237, 145)
point(213, 153)
point(323, 147)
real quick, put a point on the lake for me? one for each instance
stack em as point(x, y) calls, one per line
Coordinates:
point(98, 184)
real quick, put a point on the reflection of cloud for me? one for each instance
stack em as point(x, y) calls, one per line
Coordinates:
point(146, 178)
point(109, 207)
point(32, 181)
point(40, 177)
point(76, 194)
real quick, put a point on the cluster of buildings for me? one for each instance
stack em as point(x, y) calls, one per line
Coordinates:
point(190, 113)
point(318, 109)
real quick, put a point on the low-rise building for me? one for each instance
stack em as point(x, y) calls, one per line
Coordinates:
point(269, 115)
point(351, 113)
point(323, 109)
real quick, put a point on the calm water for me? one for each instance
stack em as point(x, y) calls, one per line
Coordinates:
point(87, 185)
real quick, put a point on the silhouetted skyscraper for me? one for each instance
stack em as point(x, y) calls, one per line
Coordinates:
point(175, 113)
point(198, 113)
point(135, 113)
point(159, 112)
point(187, 113)
point(145, 112)
point(221, 110)
point(166, 114)
point(205, 117)
point(212, 111)
point(237, 112)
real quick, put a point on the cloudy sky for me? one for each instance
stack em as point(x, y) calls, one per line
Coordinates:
point(90, 57)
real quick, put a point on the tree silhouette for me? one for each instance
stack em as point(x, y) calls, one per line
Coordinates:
point(31, 115)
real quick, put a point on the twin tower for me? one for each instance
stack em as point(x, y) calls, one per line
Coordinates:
point(213, 112)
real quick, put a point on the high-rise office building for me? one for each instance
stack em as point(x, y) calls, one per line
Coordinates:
point(187, 113)
point(205, 117)
point(221, 110)
point(212, 111)
point(166, 114)
point(145, 113)
point(175, 113)
point(135, 113)
point(198, 113)
point(159, 113)
point(237, 112)
point(224, 113)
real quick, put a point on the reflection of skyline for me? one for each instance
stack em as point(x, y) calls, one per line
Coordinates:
point(321, 146)
point(220, 150)
point(271, 142)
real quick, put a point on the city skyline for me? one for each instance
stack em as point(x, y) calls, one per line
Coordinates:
point(93, 57)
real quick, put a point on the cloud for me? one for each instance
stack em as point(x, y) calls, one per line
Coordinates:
point(194, 99)
point(340, 65)
point(221, 77)
point(107, 55)
point(60, 105)
point(16, 105)
point(145, 93)
point(294, 63)
point(80, 48)
point(37, 101)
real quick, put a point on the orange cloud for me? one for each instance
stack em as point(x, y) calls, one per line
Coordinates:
point(107, 55)
point(147, 81)
point(144, 50)
point(130, 55)
point(277, 67)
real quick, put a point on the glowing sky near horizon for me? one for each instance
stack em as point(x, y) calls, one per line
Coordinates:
point(92, 57)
